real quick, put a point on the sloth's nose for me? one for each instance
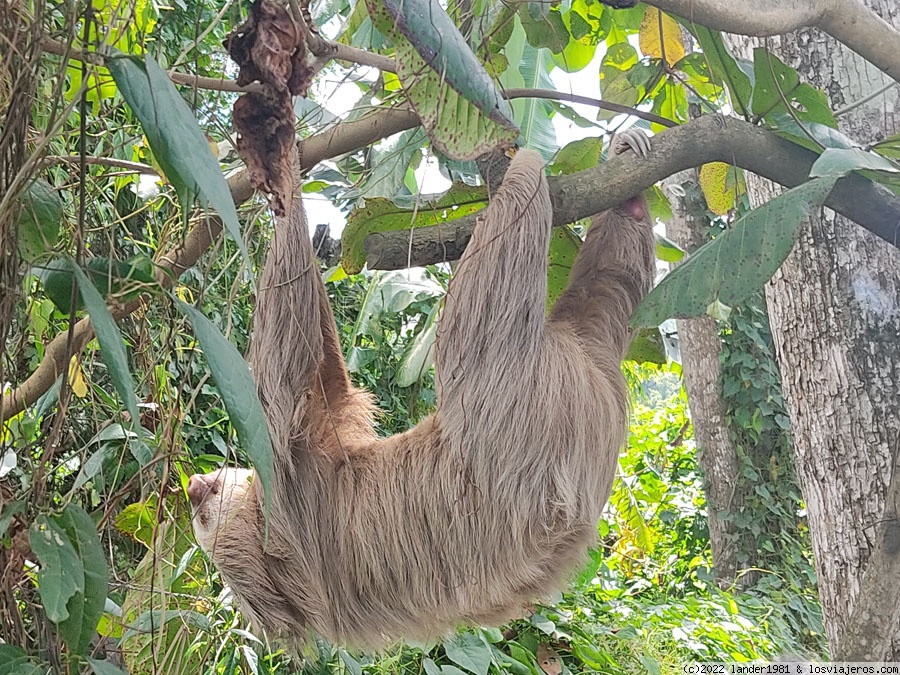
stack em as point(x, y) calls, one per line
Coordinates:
point(197, 489)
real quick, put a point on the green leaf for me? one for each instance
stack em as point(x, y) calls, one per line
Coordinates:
point(724, 67)
point(811, 135)
point(382, 215)
point(839, 162)
point(470, 652)
point(564, 247)
point(8, 510)
point(615, 84)
point(112, 346)
point(353, 666)
point(529, 68)
point(544, 29)
point(578, 156)
point(177, 142)
point(238, 392)
point(390, 161)
point(85, 609)
point(105, 667)
point(647, 347)
point(667, 250)
point(440, 45)
point(124, 279)
point(778, 86)
point(457, 126)
point(41, 216)
point(737, 263)
point(61, 574)
point(13, 661)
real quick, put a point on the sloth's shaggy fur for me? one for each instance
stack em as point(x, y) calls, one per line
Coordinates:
point(482, 507)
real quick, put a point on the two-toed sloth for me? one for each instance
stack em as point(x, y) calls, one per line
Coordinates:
point(482, 507)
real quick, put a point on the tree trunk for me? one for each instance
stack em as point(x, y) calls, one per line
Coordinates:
point(835, 317)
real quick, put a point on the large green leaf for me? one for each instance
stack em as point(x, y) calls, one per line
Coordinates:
point(529, 68)
point(13, 661)
point(470, 652)
point(177, 142)
point(439, 44)
point(383, 215)
point(41, 216)
point(578, 156)
point(778, 86)
point(456, 126)
point(841, 161)
point(85, 609)
point(238, 392)
point(112, 346)
point(737, 263)
point(61, 574)
point(724, 67)
point(126, 279)
point(105, 668)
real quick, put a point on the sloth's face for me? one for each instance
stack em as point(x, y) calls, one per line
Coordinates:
point(221, 501)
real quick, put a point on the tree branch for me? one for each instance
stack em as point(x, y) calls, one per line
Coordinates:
point(712, 138)
point(847, 21)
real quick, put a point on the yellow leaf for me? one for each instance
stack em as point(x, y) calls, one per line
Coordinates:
point(184, 294)
point(719, 186)
point(655, 35)
point(76, 378)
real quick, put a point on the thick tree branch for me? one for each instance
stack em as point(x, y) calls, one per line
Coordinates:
point(713, 138)
point(848, 21)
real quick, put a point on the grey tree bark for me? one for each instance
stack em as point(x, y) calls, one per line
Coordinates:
point(834, 308)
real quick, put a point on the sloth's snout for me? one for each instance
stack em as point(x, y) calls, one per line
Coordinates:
point(199, 485)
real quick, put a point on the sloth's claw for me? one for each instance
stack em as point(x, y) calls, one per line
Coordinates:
point(631, 139)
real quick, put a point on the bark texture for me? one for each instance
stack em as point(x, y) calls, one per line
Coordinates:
point(834, 308)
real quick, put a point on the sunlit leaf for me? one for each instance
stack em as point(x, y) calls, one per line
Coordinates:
point(720, 184)
point(647, 347)
point(564, 247)
point(660, 36)
point(76, 377)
